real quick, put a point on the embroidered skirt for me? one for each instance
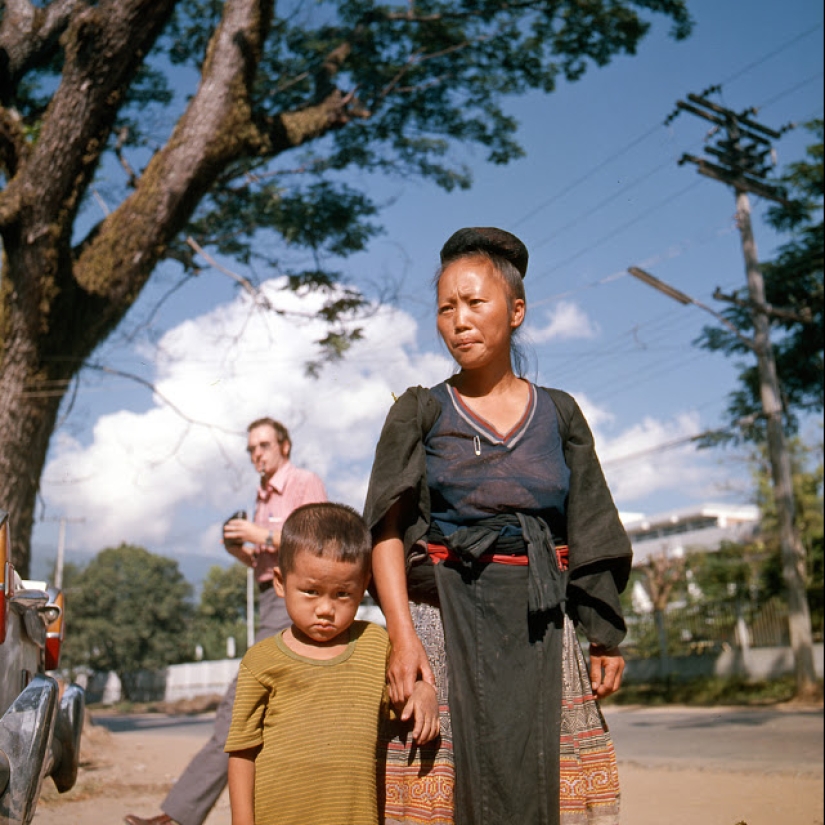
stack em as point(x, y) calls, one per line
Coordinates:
point(589, 792)
point(420, 782)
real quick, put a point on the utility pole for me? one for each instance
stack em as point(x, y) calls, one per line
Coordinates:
point(742, 154)
point(61, 547)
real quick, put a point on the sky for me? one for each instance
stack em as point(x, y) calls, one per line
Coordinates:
point(599, 189)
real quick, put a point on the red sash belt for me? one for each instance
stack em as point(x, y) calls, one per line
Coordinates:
point(439, 553)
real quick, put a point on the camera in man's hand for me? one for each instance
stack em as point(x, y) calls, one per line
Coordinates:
point(240, 514)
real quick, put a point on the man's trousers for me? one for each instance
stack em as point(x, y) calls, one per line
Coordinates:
point(201, 783)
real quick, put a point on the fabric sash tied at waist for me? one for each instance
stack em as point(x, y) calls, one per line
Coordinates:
point(546, 580)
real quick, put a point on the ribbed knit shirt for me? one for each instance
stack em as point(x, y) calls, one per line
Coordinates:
point(317, 722)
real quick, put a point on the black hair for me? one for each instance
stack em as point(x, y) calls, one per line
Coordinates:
point(325, 529)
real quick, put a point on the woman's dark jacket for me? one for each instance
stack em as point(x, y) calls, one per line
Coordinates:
point(599, 550)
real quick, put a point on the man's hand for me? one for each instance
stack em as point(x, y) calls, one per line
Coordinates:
point(422, 708)
point(241, 539)
point(606, 668)
point(239, 531)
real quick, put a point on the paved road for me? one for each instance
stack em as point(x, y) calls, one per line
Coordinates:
point(678, 766)
point(732, 739)
point(156, 723)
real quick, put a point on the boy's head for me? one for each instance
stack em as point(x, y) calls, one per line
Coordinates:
point(325, 529)
point(323, 569)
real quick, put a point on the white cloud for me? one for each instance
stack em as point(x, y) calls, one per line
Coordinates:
point(638, 465)
point(653, 457)
point(157, 479)
point(153, 478)
point(564, 321)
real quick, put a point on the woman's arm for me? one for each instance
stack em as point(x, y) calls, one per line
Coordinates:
point(408, 661)
point(242, 785)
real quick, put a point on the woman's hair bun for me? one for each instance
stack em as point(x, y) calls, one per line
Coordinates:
point(487, 240)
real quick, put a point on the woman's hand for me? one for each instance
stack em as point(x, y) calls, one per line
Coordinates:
point(606, 668)
point(408, 664)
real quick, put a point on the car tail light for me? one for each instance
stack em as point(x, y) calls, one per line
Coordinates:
point(54, 633)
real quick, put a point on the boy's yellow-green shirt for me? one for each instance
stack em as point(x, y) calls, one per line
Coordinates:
point(317, 722)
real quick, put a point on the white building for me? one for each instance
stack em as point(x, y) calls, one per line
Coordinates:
point(702, 527)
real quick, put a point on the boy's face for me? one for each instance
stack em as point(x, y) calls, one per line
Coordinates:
point(322, 595)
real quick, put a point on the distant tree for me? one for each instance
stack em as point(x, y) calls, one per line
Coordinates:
point(221, 612)
point(286, 110)
point(751, 571)
point(808, 499)
point(663, 574)
point(127, 610)
point(731, 572)
point(793, 282)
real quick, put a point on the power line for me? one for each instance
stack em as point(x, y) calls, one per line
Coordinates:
point(612, 234)
point(587, 175)
point(790, 90)
point(653, 129)
point(778, 50)
point(618, 193)
point(673, 251)
point(659, 448)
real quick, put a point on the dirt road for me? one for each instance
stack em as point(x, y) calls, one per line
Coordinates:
point(131, 771)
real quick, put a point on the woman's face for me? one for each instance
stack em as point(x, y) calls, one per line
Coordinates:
point(475, 318)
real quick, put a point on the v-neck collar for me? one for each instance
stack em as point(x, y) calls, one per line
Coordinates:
point(486, 429)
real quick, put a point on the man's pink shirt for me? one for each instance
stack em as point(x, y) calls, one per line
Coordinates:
point(289, 488)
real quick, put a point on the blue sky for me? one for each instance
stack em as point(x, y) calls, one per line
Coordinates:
point(599, 189)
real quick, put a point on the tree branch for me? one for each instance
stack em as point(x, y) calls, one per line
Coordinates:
point(13, 147)
point(149, 385)
point(804, 316)
point(257, 296)
point(28, 37)
point(288, 130)
point(103, 47)
point(214, 130)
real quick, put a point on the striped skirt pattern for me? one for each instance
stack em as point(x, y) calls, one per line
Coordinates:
point(589, 793)
point(419, 781)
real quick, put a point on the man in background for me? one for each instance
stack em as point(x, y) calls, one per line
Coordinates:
point(283, 487)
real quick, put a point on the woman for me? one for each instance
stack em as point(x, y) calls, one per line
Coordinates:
point(480, 485)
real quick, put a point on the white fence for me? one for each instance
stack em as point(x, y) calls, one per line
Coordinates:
point(188, 681)
point(755, 664)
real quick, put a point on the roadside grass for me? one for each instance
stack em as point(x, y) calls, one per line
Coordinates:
point(708, 691)
point(181, 707)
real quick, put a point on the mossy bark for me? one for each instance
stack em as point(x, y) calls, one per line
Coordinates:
point(59, 303)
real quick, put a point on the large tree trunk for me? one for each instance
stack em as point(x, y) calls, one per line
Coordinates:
point(27, 418)
point(57, 303)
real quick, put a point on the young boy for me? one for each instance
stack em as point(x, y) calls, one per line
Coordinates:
point(302, 746)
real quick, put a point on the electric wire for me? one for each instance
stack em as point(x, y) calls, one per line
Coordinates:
point(619, 229)
point(771, 54)
point(632, 144)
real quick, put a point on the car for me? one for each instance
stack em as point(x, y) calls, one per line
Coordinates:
point(42, 720)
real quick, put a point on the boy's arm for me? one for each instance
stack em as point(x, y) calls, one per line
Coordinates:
point(422, 707)
point(242, 785)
